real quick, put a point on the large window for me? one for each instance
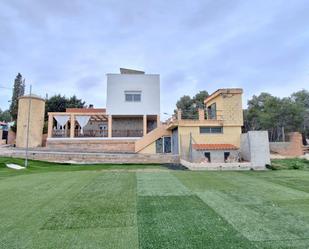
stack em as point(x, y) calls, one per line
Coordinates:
point(164, 145)
point(133, 96)
point(211, 129)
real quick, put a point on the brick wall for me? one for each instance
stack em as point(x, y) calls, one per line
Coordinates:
point(292, 148)
point(84, 145)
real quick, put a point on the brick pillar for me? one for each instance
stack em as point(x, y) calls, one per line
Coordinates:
point(109, 126)
point(50, 125)
point(201, 114)
point(158, 121)
point(144, 125)
point(179, 114)
point(72, 128)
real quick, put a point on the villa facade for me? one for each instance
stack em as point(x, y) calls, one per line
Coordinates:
point(130, 123)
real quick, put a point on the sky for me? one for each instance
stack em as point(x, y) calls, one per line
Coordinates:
point(67, 47)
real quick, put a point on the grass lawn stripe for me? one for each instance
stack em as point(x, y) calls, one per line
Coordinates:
point(159, 183)
point(254, 206)
point(184, 222)
point(35, 233)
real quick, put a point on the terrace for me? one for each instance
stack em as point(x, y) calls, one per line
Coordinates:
point(95, 123)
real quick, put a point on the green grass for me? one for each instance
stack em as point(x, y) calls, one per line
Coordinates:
point(293, 163)
point(124, 206)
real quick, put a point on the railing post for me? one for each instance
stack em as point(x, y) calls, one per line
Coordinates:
point(72, 128)
point(50, 125)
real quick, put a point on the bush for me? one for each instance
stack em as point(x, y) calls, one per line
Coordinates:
point(292, 163)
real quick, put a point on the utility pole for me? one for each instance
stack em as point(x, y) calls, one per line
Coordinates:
point(27, 137)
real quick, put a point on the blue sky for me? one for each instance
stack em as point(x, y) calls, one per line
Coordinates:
point(68, 46)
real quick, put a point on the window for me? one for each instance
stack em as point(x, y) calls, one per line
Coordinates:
point(212, 111)
point(133, 96)
point(207, 156)
point(209, 129)
point(164, 145)
point(226, 156)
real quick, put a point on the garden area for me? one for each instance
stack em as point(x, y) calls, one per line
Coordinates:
point(153, 206)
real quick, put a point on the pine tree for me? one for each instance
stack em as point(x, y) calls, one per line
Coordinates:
point(18, 91)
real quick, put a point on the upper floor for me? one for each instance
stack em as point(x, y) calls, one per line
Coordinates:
point(226, 105)
point(133, 92)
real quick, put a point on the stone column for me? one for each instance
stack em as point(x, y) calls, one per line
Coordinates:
point(179, 114)
point(72, 128)
point(144, 125)
point(109, 126)
point(50, 125)
point(201, 114)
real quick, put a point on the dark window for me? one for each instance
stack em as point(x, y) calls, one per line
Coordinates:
point(159, 145)
point(133, 96)
point(209, 129)
point(226, 155)
point(212, 111)
point(167, 144)
point(207, 155)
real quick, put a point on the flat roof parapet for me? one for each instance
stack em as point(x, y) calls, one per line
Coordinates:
point(130, 71)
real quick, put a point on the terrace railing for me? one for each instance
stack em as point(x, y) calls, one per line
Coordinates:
point(91, 133)
point(127, 133)
point(60, 133)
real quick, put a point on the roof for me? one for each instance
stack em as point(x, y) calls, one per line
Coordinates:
point(223, 91)
point(130, 71)
point(32, 96)
point(86, 110)
point(214, 147)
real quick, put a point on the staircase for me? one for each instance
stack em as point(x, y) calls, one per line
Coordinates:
point(151, 137)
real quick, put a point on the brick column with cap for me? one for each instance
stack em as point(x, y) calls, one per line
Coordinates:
point(179, 114)
point(201, 114)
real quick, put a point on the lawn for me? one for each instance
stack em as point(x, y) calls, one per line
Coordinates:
point(151, 206)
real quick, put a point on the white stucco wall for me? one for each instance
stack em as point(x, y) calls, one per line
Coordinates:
point(148, 84)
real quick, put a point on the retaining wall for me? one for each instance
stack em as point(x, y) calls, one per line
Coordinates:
point(87, 158)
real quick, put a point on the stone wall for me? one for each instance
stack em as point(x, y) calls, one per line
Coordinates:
point(97, 145)
point(11, 137)
point(90, 158)
point(292, 148)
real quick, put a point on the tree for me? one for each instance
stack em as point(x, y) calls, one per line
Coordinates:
point(302, 99)
point(18, 91)
point(58, 103)
point(5, 116)
point(266, 112)
point(189, 106)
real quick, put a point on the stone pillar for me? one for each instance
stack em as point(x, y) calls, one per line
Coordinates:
point(144, 125)
point(158, 121)
point(179, 114)
point(50, 125)
point(72, 128)
point(109, 126)
point(201, 114)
